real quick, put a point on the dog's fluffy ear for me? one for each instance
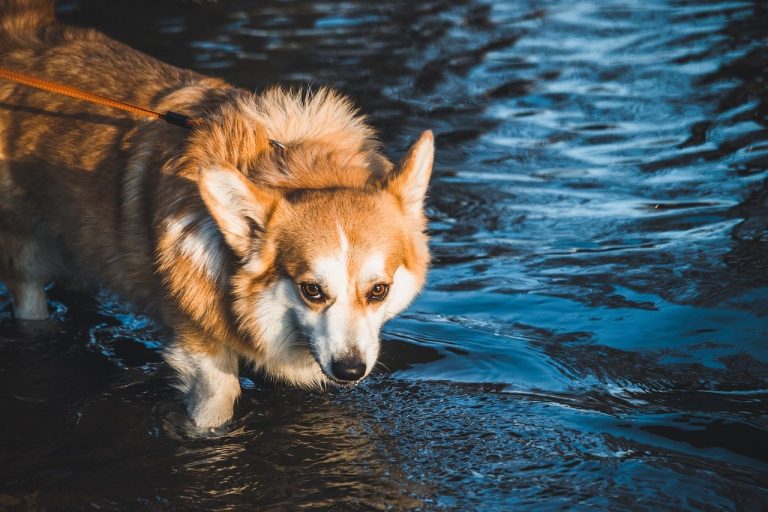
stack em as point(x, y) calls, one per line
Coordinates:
point(410, 179)
point(240, 208)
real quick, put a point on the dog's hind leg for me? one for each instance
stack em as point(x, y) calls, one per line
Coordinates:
point(23, 268)
point(28, 300)
point(209, 381)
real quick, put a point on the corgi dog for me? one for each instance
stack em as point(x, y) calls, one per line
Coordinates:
point(287, 256)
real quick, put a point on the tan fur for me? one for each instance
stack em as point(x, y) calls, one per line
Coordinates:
point(92, 196)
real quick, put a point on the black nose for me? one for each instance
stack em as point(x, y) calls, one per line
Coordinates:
point(348, 368)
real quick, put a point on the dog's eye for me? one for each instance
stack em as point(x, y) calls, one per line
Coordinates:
point(312, 292)
point(378, 292)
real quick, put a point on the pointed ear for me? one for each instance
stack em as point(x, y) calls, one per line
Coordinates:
point(240, 208)
point(410, 179)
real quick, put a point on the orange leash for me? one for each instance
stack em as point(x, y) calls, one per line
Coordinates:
point(173, 118)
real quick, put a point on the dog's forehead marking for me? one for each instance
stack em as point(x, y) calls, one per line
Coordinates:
point(373, 268)
point(332, 270)
point(343, 243)
point(332, 273)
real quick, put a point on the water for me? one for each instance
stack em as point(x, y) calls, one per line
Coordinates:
point(594, 331)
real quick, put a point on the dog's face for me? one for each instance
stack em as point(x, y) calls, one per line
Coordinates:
point(322, 270)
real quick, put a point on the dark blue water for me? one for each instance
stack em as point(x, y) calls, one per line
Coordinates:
point(594, 334)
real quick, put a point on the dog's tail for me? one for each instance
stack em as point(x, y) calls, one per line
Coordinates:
point(24, 19)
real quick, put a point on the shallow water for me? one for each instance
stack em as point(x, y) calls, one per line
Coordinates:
point(594, 333)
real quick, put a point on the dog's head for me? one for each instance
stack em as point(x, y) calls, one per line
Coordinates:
point(321, 269)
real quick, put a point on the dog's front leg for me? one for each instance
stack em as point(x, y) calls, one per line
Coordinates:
point(209, 381)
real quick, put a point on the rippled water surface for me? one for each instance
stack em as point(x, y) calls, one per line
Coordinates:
point(594, 333)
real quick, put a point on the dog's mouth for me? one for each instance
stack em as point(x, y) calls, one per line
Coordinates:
point(305, 340)
point(333, 380)
point(341, 383)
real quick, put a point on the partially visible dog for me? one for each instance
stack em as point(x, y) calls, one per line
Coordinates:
point(288, 258)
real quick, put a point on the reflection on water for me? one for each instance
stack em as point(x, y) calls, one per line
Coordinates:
point(594, 330)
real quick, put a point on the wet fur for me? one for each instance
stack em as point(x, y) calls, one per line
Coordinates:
point(209, 230)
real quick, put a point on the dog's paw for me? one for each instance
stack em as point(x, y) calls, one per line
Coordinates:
point(212, 413)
